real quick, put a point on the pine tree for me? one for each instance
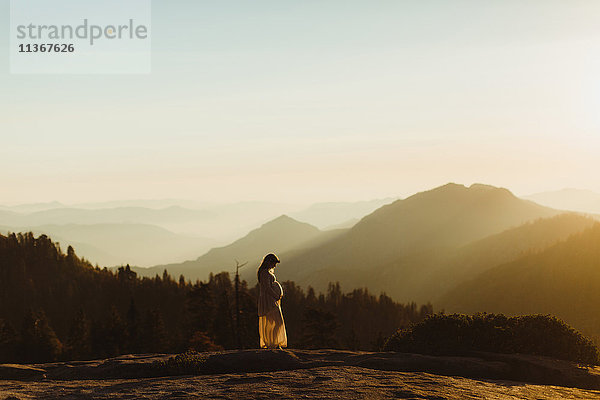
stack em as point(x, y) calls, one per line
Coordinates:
point(115, 337)
point(320, 329)
point(133, 329)
point(8, 342)
point(38, 341)
point(79, 346)
point(155, 339)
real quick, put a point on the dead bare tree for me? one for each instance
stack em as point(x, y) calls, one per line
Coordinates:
point(237, 302)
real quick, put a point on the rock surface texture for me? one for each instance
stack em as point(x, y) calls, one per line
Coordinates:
point(297, 374)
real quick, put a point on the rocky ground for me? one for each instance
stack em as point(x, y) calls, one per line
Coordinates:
point(298, 374)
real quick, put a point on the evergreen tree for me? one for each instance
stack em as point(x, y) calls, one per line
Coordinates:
point(79, 346)
point(155, 338)
point(115, 336)
point(201, 308)
point(133, 328)
point(38, 341)
point(320, 329)
point(223, 326)
point(8, 342)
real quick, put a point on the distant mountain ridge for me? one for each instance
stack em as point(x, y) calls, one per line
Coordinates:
point(103, 232)
point(32, 207)
point(399, 248)
point(396, 247)
point(119, 244)
point(220, 223)
point(279, 236)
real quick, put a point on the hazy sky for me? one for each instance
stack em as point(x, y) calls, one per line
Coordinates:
point(312, 100)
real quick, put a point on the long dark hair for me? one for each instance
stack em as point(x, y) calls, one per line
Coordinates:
point(268, 262)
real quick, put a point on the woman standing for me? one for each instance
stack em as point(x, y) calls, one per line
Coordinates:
point(271, 328)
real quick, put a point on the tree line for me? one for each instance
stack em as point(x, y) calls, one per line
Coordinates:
point(57, 306)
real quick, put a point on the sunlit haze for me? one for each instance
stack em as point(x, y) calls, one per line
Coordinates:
point(313, 101)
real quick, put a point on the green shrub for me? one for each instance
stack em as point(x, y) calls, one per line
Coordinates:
point(457, 334)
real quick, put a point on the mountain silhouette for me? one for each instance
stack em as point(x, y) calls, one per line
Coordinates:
point(397, 247)
point(278, 236)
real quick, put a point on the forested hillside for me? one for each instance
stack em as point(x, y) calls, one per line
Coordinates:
point(563, 280)
point(57, 306)
point(471, 260)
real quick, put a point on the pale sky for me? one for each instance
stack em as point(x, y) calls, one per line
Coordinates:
point(313, 100)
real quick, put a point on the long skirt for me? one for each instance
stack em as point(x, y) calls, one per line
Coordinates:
point(271, 329)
